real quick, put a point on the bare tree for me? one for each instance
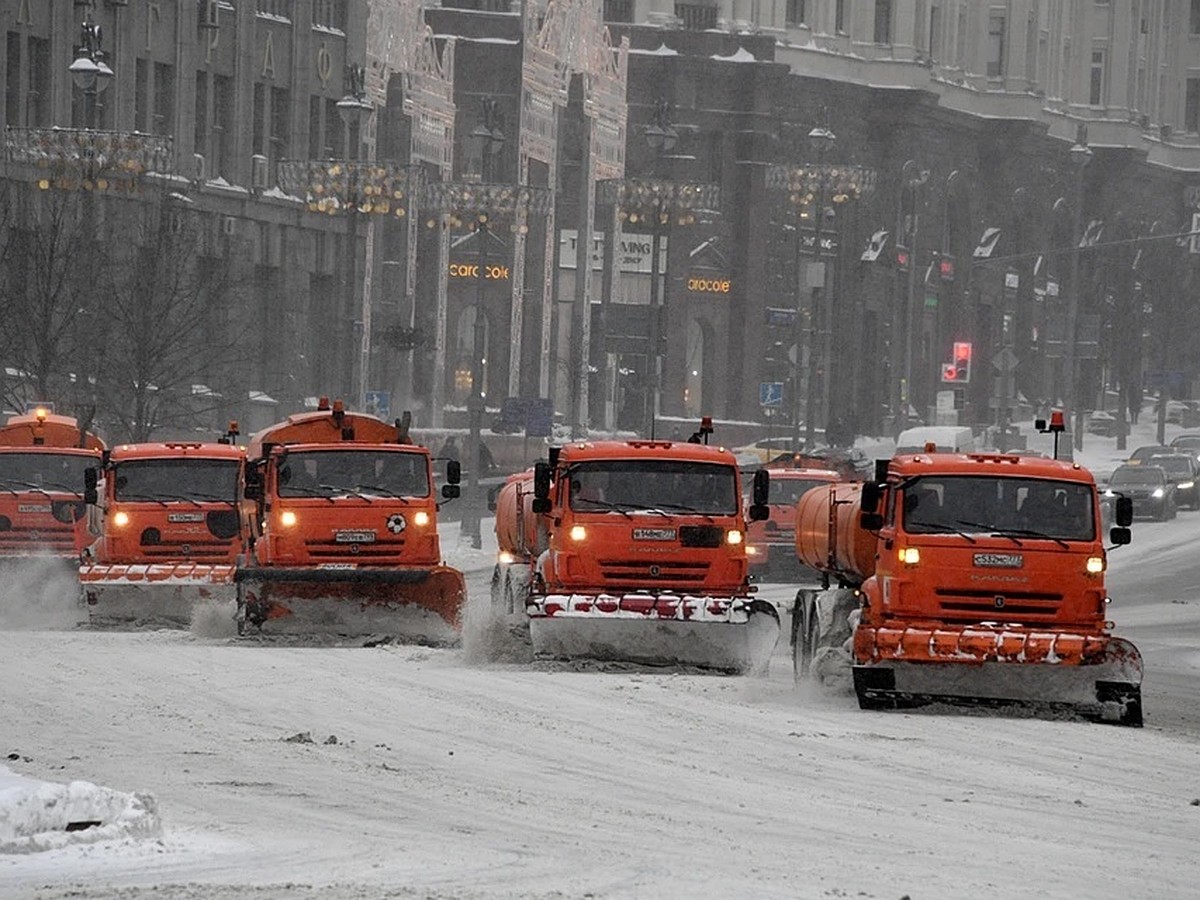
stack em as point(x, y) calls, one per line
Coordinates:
point(163, 302)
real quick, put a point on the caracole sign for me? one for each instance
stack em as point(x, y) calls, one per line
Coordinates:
point(697, 284)
point(471, 270)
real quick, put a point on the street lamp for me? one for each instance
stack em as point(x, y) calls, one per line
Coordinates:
point(478, 206)
point(662, 137)
point(912, 180)
point(90, 73)
point(1081, 155)
point(810, 188)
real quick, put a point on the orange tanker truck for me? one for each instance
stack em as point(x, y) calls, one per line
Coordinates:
point(771, 543)
point(345, 538)
point(633, 551)
point(42, 460)
point(169, 525)
point(965, 578)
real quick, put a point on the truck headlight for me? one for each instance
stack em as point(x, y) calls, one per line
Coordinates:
point(578, 533)
point(421, 517)
point(910, 556)
point(120, 518)
point(505, 558)
point(733, 537)
point(1095, 565)
point(287, 518)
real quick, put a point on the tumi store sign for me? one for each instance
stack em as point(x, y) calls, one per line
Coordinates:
point(708, 284)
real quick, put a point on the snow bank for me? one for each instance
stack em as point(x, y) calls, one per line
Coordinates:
point(43, 815)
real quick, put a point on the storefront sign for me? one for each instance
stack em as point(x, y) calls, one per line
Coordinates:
point(633, 254)
point(471, 270)
point(697, 284)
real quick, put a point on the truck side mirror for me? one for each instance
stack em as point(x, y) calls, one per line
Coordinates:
point(761, 492)
point(451, 491)
point(1120, 536)
point(453, 473)
point(541, 488)
point(254, 483)
point(881, 470)
point(1123, 511)
point(870, 521)
point(91, 477)
point(870, 497)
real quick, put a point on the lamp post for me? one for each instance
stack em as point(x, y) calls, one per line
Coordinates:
point(491, 139)
point(354, 187)
point(1081, 155)
point(89, 71)
point(810, 188)
point(912, 180)
point(659, 204)
point(661, 137)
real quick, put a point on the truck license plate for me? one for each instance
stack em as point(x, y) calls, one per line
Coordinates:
point(654, 534)
point(354, 537)
point(999, 560)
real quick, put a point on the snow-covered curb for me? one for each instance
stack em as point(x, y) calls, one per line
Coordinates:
point(43, 815)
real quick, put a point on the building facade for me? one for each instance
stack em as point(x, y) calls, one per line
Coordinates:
point(794, 295)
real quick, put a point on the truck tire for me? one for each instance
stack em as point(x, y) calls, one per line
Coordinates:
point(837, 613)
point(804, 634)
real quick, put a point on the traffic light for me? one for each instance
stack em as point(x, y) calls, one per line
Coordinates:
point(945, 266)
point(949, 372)
point(962, 361)
point(903, 259)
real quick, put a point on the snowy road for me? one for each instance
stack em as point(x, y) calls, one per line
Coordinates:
point(451, 780)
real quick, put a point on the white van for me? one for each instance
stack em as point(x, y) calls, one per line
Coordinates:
point(946, 438)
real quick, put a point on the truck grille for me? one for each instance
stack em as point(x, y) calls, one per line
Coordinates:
point(329, 550)
point(663, 575)
point(971, 605)
point(196, 550)
point(38, 538)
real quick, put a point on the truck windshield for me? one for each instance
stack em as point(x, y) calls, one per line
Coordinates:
point(165, 480)
point(1021, 507)
point(787, 491)
point(334, 473)
point(44, 471)
point(670, 486)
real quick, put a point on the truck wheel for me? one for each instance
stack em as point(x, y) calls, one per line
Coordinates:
point(804, 624)
point(831, 664)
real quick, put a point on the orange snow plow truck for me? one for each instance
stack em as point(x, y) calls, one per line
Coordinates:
point(345, 539)
point(968, 579)
point(169, 525)
point(42, 515)
point(633, 551)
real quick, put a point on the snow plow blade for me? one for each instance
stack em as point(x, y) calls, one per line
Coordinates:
point(1090, 676)
point(721, 633)
point(152, 595)
point(409, 605)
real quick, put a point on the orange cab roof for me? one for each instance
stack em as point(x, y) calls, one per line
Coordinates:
point(177, 450)
point(47, 430)
point(822, 474)
point(323, 427)
point(994, 464)
point(682, 450)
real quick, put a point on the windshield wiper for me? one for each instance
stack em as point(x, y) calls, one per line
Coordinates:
point(304, 490)
point(944, 529)
point(1027, 532)
point(30, 486)
point(605, 505)
point(343, 490)
point(991, 529)
point(385, 491)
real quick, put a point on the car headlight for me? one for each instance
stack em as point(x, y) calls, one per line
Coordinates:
point(1158, 494)
point(1187, 485)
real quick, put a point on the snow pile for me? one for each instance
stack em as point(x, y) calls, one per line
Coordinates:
point(39, 592)
point(42, 815)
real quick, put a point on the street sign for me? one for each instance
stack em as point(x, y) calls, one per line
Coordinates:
point(1005, 361)
point(379, 403)
point(770, 393)
point(539, 416)
point(780, 316)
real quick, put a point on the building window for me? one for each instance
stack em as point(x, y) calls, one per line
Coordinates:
point(12, 80)
point(839, 16)
point(141, 97)
point(883, 21)
point(38, 110)
point(200, 130)
point(281, 124)
point(329, 14)
point(334, 137)
point(281, 9)
point(222, 136)
point(796, 14)
point(1194, 21)
point(618, 10)
point(164, 99)
point(935, 32)
point(697, 16)
point(995, 57)
point(1191, 113)
point(1096, 85)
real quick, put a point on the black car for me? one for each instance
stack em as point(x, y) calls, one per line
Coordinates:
point(1187, 443)
point(1152, 493)
point(1182, 469)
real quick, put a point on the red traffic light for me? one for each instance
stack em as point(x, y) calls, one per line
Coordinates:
point(946, 268)
point(949, 372)
point(962, 350)
point(903, 260)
